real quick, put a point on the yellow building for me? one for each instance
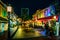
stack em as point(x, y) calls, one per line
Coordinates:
point(3, 17)
point(38, 14)
point(3, 12)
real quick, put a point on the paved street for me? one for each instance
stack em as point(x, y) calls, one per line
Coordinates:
point(22, 34)
point(12, 30)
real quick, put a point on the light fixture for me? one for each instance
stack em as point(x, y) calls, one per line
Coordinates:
point(9, 9)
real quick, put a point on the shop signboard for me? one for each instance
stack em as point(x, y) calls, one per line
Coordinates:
point(49, 11)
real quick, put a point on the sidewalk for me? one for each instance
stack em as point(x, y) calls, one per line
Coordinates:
point(12, 30)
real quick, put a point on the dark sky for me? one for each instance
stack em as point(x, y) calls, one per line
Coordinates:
point(33, 5)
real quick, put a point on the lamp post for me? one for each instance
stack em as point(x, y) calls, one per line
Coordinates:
point(9, 10)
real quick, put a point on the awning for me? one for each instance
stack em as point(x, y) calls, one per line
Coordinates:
point(50, 17)
point(3, 19)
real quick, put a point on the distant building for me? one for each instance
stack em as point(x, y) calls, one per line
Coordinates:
point(24, 13)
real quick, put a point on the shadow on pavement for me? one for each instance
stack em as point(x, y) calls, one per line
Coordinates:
point(4, 36)
point(14, 32)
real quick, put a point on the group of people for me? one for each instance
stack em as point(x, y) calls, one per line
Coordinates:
point(49, 30)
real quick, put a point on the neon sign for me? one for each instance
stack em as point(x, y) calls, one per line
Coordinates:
point(49, 11)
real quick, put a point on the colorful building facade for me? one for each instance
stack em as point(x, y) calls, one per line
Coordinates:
point(3, 17)
point(3, 12)
point(45, 14)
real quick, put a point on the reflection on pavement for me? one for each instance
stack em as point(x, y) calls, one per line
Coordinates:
point(22, 34)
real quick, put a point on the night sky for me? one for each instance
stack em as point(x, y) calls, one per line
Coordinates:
point(33, 5)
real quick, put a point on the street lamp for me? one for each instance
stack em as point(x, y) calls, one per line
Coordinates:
point(9, 10)
point(54, 17)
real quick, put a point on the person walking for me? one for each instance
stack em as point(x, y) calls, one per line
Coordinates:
point(47, 29)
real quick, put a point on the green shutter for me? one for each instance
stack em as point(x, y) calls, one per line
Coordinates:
point(4, 13)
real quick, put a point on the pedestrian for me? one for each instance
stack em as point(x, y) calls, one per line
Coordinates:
point(47, 29)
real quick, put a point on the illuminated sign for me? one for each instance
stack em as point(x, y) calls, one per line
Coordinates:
point(49, 11)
